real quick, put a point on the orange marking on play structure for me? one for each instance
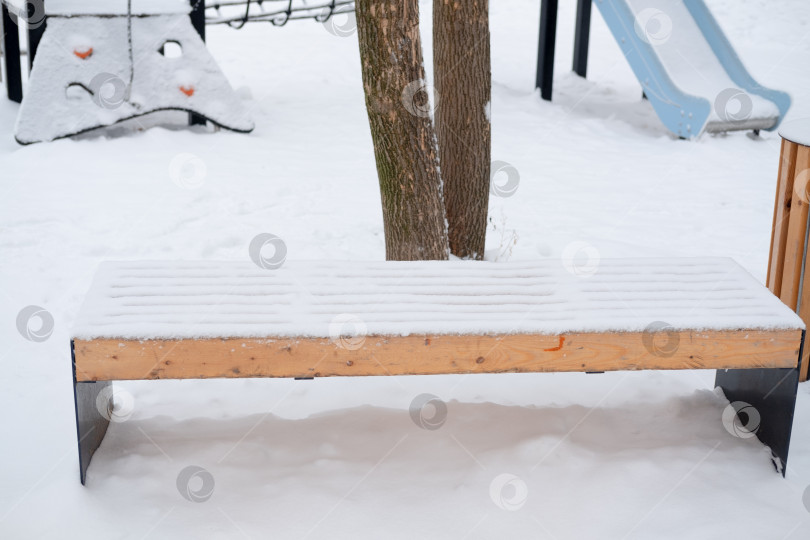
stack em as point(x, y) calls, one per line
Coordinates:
point(558, 347)
point(83, 54)
point(187, 90)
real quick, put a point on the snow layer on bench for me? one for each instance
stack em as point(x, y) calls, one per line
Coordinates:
point(166, 300)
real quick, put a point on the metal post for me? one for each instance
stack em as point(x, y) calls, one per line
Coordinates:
point(582, 37)
point(545, 48)
point(11, 50)
point(198, 17)
point(198, 22)
point(36, 27)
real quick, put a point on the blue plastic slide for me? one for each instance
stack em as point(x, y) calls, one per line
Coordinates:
point(688, 69)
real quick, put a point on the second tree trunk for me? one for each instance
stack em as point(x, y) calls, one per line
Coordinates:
point(461, 67)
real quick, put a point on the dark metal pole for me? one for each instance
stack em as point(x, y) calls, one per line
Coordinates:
point(11, 48)
point(198, 22)
point(36, 27)
point(198, 17)
point(545, 49)
point(582, 37)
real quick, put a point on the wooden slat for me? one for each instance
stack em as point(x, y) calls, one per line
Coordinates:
point(801, 178)
point(781, 213)
point(801, 174)
point(796, 234)
point(111, 359)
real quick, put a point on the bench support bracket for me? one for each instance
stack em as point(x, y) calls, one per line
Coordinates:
point(772, 392)
point(91, 425)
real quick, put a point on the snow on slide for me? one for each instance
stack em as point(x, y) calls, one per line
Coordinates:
point(690, 62)
point(173, 300)
point(688, 68)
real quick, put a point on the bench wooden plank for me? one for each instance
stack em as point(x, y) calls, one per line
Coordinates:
point(108, 359)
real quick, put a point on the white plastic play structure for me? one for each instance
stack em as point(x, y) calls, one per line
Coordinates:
point(104, 61)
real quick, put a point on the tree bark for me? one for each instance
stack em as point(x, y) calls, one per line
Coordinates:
point(401, 129)
point(461, 68)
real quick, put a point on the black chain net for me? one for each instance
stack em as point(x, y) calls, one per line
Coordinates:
point(237, 13)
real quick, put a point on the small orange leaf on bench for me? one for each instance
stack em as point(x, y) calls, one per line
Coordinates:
point(83, 54)
point(187, 90)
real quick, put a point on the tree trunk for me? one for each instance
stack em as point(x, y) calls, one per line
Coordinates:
point(461, 68)
point(401, 129)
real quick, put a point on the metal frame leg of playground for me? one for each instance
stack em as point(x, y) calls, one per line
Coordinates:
point(11, 55)
point(11, 46)
point(198, 22)
point(547, 40)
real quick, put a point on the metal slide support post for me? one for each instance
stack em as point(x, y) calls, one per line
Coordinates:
point(91, 425)
point(11, 55)
point(772, 392)
point(582, 37)
point(198, 22)
point(545, 48)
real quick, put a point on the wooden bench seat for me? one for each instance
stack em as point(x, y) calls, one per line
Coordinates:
point(159, 320)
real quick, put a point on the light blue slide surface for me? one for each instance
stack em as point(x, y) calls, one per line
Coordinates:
point(689, 71)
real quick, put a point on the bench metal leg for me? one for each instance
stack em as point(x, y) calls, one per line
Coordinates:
point(91, 425)
point(11, 55)
point(772, 392)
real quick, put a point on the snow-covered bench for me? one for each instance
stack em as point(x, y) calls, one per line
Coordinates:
point(195, 320)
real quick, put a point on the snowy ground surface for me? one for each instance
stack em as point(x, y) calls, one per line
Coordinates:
point(622, 455)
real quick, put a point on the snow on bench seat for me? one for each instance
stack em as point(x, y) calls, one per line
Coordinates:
point(458, 316)
point(171, 300)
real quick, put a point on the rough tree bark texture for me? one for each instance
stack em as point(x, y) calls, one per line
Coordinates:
point(401, 129)
point(461, 68)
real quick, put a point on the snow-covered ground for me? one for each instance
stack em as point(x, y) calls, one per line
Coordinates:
point(620, 455)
